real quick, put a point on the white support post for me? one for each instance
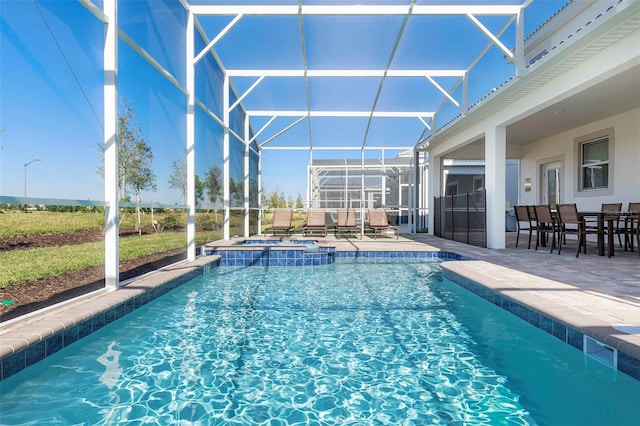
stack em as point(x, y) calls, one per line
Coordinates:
point(424, 187)
point(435, 187)
point(383, 184)
point(519, 55)
point(190, 142)
point(310, 203)
point(259, 192)
point(111, 195)
point(246, 176)
point(346, 185)
point(495, 169)
point(465, 96)
point(362, 201)
point(415, 192)
point(225, 157)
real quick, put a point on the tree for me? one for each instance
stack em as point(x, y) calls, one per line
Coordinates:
point(275, 199)
point(299, 203)
point(213, 183)
point(135, 157)
point(178, 180)
point(178, 177)
point(200, 188)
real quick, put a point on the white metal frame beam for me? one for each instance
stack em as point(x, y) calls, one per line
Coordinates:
point(216, 39)
point(377, 114)
point(111, 193)
point(360, 10)
point(190, 144)
point(343, 73)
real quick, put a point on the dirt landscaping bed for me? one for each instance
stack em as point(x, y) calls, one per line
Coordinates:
point(33, 295)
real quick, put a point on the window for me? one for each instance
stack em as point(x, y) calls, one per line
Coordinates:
point(478, 183)
point(594, 164)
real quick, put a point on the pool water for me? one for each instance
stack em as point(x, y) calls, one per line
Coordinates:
point(347, 343)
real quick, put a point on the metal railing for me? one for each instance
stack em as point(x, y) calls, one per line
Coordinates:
point(462, 218)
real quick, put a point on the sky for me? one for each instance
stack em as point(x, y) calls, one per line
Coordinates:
point(51, 114)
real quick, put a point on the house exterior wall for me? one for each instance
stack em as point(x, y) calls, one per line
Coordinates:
point(624, 167)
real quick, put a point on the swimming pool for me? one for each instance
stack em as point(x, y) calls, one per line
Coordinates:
point(352, 342)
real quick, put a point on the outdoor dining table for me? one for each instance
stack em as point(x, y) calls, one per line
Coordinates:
point(609, 217)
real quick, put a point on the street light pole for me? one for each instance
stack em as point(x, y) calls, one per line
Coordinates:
point(25, 174)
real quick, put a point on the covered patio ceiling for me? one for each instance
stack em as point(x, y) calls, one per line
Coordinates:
point(613, 95)
point(335, 75)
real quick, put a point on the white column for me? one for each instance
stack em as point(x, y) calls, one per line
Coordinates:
point(424, 188)
point(519, 58)
point(383, 183)
point(246, 176)
point(495, 167)
point(346, 185)
point(415, 192)
point(190, 142)
point(310, 203)
point(225, 156)
point(434, 186)
point(111, 195)
point(362, 200)
point(259, 192)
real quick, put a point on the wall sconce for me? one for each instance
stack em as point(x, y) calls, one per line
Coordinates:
point(527, 184)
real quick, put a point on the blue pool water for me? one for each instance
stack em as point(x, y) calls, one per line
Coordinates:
point(347, 343)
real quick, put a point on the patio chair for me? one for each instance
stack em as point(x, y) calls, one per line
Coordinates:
point(379, 223)
point(613, 208)
point(281, 221)
point(545, 225)
point(571, 223)
point(629, 226)
point(523, 223)
point(316, 222)
point(346, 222)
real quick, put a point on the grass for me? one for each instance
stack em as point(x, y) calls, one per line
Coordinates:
point(27, 265)
point(16, 223)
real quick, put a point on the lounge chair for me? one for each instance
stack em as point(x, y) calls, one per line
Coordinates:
point(346, 222)
point(316, 222)
point(281, 221)
point(379, 223)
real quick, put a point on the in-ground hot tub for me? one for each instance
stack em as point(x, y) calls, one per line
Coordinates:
point(273, 252)
point(278, 243)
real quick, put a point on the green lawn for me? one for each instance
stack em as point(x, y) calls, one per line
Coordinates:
point(26, 265)
point(16, 223)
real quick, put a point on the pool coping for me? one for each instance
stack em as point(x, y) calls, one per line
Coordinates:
point(40, 336)
point(562, 310)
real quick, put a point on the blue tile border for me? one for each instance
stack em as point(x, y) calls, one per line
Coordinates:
point(33, 353)
point(626, 363)
point(268, 256)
